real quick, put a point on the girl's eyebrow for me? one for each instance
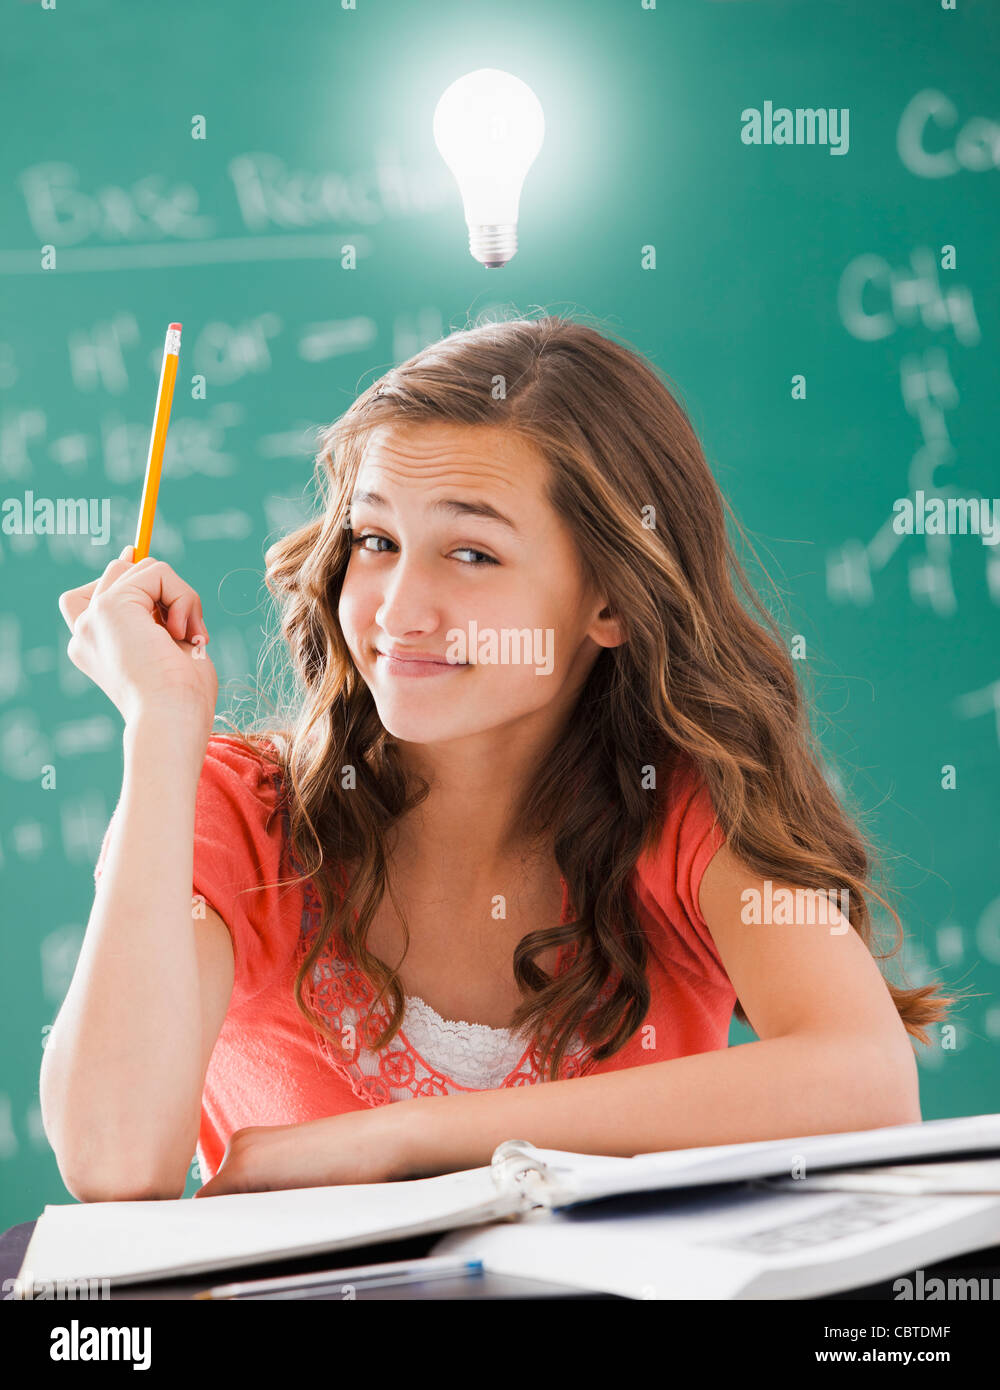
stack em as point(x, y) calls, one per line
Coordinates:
point(454, 505)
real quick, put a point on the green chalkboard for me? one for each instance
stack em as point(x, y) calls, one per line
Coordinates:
point(268, 177)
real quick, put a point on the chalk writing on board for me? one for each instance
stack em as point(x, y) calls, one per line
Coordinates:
point(97, 354)
point(975, 703)
point(225, 352)
point(24, 747)
point(93, 735)
point(8, 366)
point(39, 660)
point(230, 525)
point(11, 667)
point(155, 222)
point(299, 442)
point(411, 332)
point(934, 142)
point(222, 352)
point(267, 194)
point(875, 301)
point(318, 342)
point(28, 839)
point(284, 514)
point(197, 444)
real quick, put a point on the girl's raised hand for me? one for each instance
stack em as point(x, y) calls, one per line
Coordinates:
point(140, 665)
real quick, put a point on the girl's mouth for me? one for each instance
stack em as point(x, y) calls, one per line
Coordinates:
point(397, 666)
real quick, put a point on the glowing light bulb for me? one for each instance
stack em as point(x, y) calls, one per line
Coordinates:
point(489, 127)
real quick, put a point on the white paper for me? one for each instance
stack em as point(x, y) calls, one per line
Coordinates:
point(739, 1243)
point(147, 1240)
point(581, 1177)
point(982, 1177)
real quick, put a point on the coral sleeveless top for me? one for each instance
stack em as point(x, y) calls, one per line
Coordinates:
point(271, 1067)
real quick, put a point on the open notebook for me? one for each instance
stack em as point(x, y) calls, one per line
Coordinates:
point(135, 1242)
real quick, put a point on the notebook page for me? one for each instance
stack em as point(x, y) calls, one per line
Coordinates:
point(140, 1241)
point(944, 1175)
point(579, 1177)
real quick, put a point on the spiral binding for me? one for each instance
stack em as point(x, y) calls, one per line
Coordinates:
point(517, 1167)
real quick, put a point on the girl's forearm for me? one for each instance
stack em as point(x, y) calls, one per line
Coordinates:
point(779, 1088)
point(121, 1073)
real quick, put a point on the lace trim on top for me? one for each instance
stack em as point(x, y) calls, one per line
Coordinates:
point(471, 1053)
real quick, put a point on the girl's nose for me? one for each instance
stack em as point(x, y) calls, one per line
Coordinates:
point(411, 602)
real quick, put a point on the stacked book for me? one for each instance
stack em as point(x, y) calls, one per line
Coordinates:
point(781, 1219)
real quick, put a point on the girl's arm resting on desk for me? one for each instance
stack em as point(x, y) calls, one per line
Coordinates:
point(788, 1086)
point(833, 1055)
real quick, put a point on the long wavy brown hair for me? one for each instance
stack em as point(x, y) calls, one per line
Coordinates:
point(703, 676)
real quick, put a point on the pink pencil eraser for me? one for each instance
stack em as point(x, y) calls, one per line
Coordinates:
point(177, 326)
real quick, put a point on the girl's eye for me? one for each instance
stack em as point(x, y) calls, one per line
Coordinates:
point(487, 559)
point(357, 543)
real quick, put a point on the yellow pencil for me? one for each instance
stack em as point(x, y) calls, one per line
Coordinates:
point(157, 442)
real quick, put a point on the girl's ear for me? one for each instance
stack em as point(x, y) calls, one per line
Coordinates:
point(606, 630)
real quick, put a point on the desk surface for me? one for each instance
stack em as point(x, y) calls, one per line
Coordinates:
point(979, 1264)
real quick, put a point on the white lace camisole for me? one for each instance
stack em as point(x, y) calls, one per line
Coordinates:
point(473, 1054)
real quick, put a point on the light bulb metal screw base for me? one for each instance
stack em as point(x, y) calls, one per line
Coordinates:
point(493, 244)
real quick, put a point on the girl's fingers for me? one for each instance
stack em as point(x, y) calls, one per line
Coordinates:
point(179, 618)
point(185, 620)
point(177, 601)
point(198, 620)
point(74, 601)
point(116, 568)
point(176, 606)
point(183, 615)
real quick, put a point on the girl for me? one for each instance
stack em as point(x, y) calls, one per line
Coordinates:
point(515, 858)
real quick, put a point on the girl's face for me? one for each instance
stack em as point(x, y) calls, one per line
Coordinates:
point(458, 557)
